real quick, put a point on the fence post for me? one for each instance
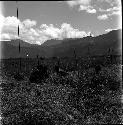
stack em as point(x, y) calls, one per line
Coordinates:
point(75, 56)
point(37, 59)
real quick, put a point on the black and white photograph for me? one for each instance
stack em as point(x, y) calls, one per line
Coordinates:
point(61, 62)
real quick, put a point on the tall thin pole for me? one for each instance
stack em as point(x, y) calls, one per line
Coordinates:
point(88, 54)
point(89, 50)
point(58, 61)
point(75, 59)
point(19, 48)
point(37, 59)
point(89, 46)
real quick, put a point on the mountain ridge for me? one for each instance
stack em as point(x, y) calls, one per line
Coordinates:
point(63, 48)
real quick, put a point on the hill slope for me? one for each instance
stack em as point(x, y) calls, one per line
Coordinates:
point(64, 48)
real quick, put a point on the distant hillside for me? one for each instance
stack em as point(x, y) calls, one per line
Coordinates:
point(64, 48)
point(14, 42)
point(51, 42)
point(98, 45)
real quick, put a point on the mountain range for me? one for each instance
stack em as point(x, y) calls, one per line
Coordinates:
point(98, 45)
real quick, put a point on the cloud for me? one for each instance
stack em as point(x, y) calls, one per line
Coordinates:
point(30, 33)
point(116, 13)
point(78, 2)
point(1, 22)
point(33, 31)
point(84, 2)
point(112, 2)
point(91, 10)
point(27, 32)
point(88, 9)
point(11, 21)
point(9, 28)
point(112, 11)
point(72, 3)
point(83, 5)
point(50, 31)
point(102, 17)
point(109, 12)
point(29, 23)
point(67, 31)
point(5, 36)
point(8, 36)
point(109, 29)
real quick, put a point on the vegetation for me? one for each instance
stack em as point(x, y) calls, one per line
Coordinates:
point(81, 97)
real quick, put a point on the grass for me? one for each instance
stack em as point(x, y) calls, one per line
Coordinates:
point(70, 100)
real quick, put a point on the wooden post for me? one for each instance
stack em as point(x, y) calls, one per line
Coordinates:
point(75, 56)
point(110, 55)
point(58, 63)
point(19, 48)
point(37, 59)
point(88, 53)
point(20, 64)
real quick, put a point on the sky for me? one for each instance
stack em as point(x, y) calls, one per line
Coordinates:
point(43, 20)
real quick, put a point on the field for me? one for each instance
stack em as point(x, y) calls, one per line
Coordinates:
point(82, 97)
